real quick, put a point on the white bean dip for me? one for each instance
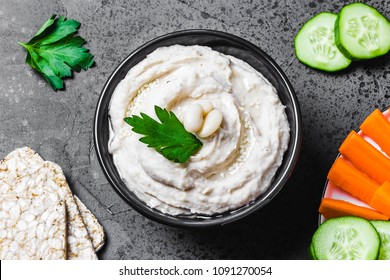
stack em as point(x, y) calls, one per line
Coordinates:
point(234, 166)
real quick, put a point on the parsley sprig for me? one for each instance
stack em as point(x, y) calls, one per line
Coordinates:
point(55, 51)
point(169, 137)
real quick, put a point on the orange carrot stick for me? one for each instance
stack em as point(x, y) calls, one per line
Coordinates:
point(366, 158)
point(351, 180)
point(381, 199)
point(333, 208)
point(378, 128)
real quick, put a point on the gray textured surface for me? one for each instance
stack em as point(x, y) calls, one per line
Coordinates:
point(59, 124)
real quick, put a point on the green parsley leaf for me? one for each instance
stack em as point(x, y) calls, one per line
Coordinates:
point(169, 137)
point(55, 51)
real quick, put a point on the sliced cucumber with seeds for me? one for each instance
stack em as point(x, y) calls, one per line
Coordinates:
point(383, 228)
point(346, 238)
point(362, 32)
point(315, 44)
point(311, 252)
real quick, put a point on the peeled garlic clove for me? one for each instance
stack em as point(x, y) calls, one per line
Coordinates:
point(211, 123)
point(207, 106)
point(193, 118)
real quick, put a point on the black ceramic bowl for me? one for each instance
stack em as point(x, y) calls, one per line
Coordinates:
point(227, 44)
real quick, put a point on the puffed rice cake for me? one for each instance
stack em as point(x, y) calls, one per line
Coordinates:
point(32, 227)
point(23, 171)
point(94, 228)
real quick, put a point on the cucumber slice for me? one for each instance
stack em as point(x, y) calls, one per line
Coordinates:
point(383, 228)
point(362, 32)
point(311, 252)
point(315, 44)
point(346, 238)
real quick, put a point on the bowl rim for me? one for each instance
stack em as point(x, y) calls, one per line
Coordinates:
point(241, 212)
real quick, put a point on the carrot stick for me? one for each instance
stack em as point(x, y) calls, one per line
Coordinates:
point(333, 208)
point(351, 180)
point(366, 158)
point(381, 199)
point(378, 128)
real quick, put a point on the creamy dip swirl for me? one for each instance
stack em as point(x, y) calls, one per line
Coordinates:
point(234, 166)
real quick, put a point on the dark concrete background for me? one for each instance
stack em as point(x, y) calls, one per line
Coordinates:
point(59, 124)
